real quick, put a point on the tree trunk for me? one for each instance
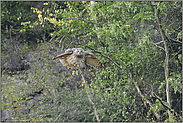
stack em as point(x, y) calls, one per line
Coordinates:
point(166, 58)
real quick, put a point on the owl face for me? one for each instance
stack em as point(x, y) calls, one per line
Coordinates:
point(79, 52)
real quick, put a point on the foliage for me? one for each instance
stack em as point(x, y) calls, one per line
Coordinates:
point(127, 32)
point(12, 14)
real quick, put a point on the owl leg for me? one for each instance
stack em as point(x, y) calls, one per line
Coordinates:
point(76, 65)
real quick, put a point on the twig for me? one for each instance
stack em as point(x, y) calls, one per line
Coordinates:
point(158, 46)
point(157, 43)
point(93, 104)
point(176, 40)
point(57, 117)
point(52, 38)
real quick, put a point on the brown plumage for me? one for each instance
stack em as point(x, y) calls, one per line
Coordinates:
point(77, 57)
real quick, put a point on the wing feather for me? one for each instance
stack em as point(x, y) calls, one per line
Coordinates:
point(91, 59)
point(63, 55)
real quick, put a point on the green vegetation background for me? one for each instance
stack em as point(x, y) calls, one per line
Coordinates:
point(146, 59)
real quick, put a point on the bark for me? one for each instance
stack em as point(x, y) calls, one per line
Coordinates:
point(166, 57)
point(166, 60)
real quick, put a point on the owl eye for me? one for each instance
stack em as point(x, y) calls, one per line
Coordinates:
point(81, 51)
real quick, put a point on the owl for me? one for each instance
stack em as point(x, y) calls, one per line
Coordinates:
point(77, 58)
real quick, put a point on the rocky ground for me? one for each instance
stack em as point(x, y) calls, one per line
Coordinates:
point(31, 73)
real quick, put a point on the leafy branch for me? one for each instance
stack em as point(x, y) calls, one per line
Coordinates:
point(145, 101)
point(166, 106)
point(93, 104)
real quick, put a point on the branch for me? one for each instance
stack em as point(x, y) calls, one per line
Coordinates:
point(57, 117)
point(128, 75)
point(159, 42)
point(176, 40)
point(161, 101)
point(158, 46)
point(103, 54)
point(93, 104)
point(166, 106)
point(166, 57)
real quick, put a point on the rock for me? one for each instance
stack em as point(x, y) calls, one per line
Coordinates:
point(5, 117)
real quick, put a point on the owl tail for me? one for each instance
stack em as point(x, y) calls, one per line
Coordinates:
point(102, 66)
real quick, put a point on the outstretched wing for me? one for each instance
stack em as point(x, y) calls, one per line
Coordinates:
point(91, 59)
point(64, 55)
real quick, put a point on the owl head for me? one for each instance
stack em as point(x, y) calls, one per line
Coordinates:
point(79, 52)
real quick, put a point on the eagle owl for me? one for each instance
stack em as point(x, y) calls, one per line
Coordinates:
point(77, 57)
